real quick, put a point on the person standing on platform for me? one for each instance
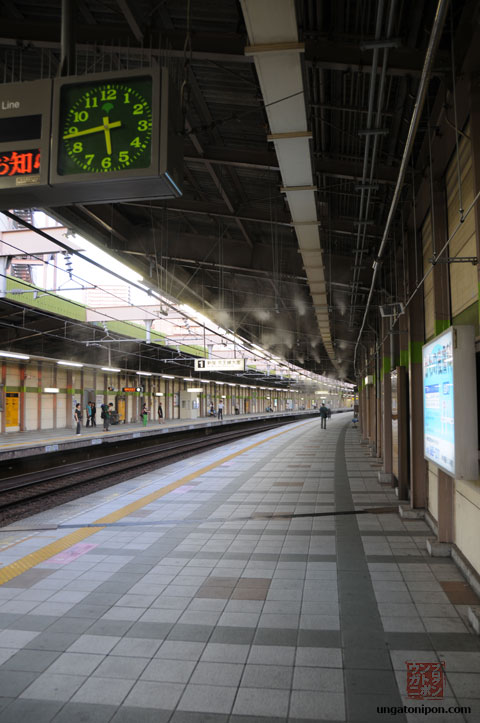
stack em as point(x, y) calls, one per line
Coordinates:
point(144, 415)
point(89, 414)
point(93, 408)
point(220, 410)
point(78, 418)
point(105, 415)
point(160, 413)
point(323, 416)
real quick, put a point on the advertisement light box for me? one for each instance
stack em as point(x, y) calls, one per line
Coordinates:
point(450, 402)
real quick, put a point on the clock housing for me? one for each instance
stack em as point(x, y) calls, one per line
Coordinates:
point(115, 136)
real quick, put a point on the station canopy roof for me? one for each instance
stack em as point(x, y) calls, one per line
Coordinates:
point(296, 115)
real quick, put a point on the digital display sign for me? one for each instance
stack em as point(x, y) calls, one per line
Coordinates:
point(20, 163)
point(438, 401)
point(450, 402)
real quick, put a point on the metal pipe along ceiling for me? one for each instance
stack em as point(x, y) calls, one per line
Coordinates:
point(434, 41)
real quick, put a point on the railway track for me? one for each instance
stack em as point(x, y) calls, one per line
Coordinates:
point(44, 485)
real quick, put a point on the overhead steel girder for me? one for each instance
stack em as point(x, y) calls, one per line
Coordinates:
point(343, 56)
point(260, 160)
point(118, 38)
point(352, 170)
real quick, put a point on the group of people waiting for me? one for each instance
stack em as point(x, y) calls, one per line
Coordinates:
point(218, 413)
point(145, 412)
point(107, 412)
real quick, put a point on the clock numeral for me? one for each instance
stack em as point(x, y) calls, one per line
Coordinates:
point(138, 109)
point(78, 147)
point(73, 129)
point(91, 102)
point(136, 142)
point(123, 157)
point(142, 125)
point(106, 163)
point(127, 97)
point(89, 158)
point(80, 116)
point(109, 94)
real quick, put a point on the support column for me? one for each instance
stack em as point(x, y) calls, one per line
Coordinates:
point(39, 395)
point(475, 136)
point(54, 400)
point(446, 491)
point(403, 412)
point(386, 392)
point(23, 397)
point(441, 283)
point(68, 402)
point(416, 326)
point(4, 392)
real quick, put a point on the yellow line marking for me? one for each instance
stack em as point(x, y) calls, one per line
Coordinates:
point(44, 553)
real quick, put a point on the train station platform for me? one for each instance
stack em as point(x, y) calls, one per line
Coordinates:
point(268, 580)
point(20, 444)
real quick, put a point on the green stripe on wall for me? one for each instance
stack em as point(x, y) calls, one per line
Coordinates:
point(404, 356)
point(415, 351)
point(441, 325)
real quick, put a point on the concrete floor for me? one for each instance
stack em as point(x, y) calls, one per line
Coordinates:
point(186, 602)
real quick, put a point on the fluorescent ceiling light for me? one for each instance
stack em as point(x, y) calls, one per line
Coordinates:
point(69, 364)
point(188, 379)
point(204, 381)
point(168, 376)
point(145, 374)
point(220, 384)
point(159, 394)
point(51, 390)
point(195, 389)
point(12, 355)
point(110, 369)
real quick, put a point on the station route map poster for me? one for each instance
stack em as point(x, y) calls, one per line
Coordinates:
point(438, 404)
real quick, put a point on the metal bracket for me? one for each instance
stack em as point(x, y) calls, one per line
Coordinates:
point(454, 260)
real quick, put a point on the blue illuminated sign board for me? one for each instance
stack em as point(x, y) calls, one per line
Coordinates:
point(438, 402)
point(450, 402)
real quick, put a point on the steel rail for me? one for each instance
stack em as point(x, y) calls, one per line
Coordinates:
point(129, 460)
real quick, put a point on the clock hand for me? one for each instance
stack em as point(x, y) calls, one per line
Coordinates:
point(97, 129)
point(108, 140)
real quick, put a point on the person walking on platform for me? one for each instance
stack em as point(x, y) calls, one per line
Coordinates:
point(323, 416)
point(144, 415)
point(160, 413)
point(93, 408)
point(220, 410)
point(78, 418)
point(89, 414)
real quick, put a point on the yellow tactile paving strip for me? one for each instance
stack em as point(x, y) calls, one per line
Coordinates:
point(44, 553)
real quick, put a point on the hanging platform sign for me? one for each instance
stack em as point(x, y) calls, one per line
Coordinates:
point(449, 402)
point(231, 365)
point(25, 122)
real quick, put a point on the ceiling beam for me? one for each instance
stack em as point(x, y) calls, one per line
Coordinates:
point(115, 38)
point(347, 57)
point(131, 16)
point(353, 170)
point(259, 160)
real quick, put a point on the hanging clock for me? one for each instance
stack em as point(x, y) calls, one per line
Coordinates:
point(105, 126)
point(116, 137)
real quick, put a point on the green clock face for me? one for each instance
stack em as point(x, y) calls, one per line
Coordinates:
point(105, 126)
